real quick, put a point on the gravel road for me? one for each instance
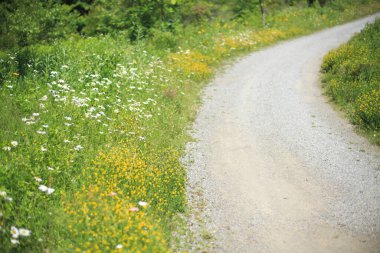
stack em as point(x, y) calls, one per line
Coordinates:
point(274, 167)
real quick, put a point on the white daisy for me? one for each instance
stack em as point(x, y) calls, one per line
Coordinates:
point(142, 203)
point(14, 241)
point(24, 232)
point(15, 232)
point(43, 188)
point(78, 147)
point(38, 179)
point(50, 191)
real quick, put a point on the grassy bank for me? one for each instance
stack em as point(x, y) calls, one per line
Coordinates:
point(352, 79)
point(92, 130)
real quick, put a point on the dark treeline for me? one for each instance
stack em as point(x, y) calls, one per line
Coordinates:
point(25, 22)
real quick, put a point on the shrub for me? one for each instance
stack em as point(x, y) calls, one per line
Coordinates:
point(352, 77)
point(367, 110)
point(26, 22)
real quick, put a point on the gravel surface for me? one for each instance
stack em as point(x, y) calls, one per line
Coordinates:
point(274, 167)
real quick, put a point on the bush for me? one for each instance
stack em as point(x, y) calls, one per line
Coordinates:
point(28, 22)
point(352, 77)
point(367, 110)
point(164, 40)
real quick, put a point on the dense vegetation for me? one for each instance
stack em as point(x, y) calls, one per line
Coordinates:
point(352, 77)
point(25, 22)
point(93, 120)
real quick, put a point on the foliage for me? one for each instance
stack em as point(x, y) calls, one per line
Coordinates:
point(92, 129)
point(25, 22)
point(76, 102)
point(352, 76)
point(116, 186)
point(114, 15)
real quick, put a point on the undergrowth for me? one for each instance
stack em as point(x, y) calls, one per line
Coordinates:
point(352, 79)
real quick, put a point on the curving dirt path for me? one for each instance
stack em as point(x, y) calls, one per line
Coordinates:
point(275, 168)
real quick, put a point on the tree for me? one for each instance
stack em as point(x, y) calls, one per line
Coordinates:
point(322, 2)
point(263, 12)
point(25, 22)
point(311, 2)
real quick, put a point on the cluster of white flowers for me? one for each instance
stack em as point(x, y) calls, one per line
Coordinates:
point(7, 148)
point(46, 189)
point(80, 102)
point(78, 147)
point(53, 73)
point(17, 232)
point(41, 132)
point(32, 119)
point(5, 196)
point(13, 144)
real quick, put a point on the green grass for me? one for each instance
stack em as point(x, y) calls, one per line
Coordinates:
point(352, 79)
point(103, 123)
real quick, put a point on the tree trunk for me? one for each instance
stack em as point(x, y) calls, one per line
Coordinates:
point(310, 2)
point(322, 2)
point(263, 12)
point(162, 10)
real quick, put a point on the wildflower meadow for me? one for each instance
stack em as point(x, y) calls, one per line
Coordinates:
point(92, 129)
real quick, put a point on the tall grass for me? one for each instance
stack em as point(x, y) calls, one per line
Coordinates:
point(92, 130)
point(352, 79)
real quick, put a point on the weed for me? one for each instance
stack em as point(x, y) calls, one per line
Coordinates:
point(352, 77)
